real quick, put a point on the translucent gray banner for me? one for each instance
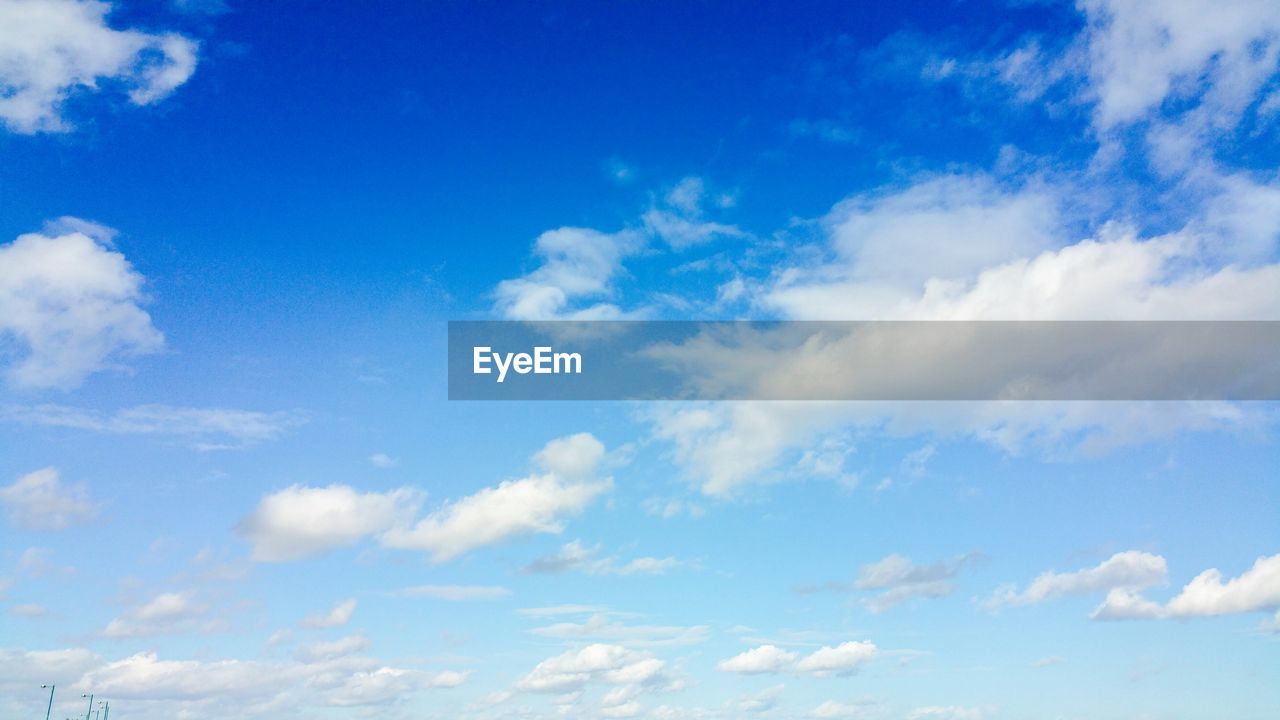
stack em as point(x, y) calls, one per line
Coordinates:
point(886, 360)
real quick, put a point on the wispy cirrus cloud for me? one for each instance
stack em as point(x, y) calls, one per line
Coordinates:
point(203, 428)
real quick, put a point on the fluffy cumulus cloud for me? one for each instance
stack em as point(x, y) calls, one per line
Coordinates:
point(1123, 571)
point(70, 304)
point(1255, 590)
point(41, 501)
point(302, 521)
point(52, 51)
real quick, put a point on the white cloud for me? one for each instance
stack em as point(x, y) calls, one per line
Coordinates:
point(300, 521)
point(538, 503)
point(578, 267)
point(166, 613)
point(145, 676)
point(600, 627)
point(833, 709)
point(51, 50)
point(21, 670)
point(382, 461)
point(599, 662)
point(577, 264)
point(325, 675)
point(763, 659)
point(1255, 590)
point(901, 580)
point(1139, 55)
point(455, 592)
point(384, 685)
point(206, 428)
point(1125, 570)
point(759, 702)
point(303, 521)
point(338, 616)
point(946, 712)
point(29, 610)
point(70, 302)
point(39, 500)
point(842, 659)
point(322, 651)
point(574, 556)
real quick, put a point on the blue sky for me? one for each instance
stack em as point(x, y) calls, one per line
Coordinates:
point(231, 234)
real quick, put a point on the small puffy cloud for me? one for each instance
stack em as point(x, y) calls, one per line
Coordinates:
point(300, 521)
point(338, 616)
point(166, 613)
point(29, 610)
point(51, 50)
point(69, 301)
point(382, 461)
point(842, 659)
point(40, 501)
point(1125, 571)
point(763, 659)
point(455, 592)
point(1255, 590)
point(538, 503)
point(599, 662)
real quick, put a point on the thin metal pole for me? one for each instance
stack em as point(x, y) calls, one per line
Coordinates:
point(89, 712)
point(50, 708)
